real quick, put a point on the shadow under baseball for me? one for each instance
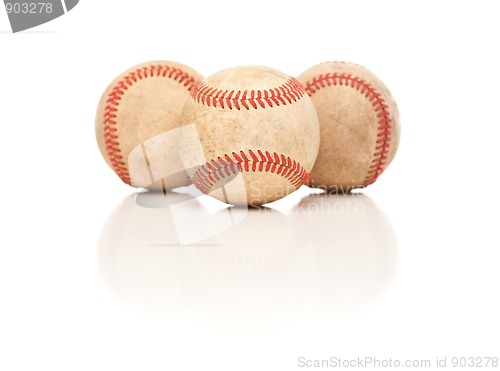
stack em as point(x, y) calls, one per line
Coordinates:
point(247, 268)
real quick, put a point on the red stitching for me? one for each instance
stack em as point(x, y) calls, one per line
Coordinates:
point(287, 93)
point(112, 103)
point(384, 120)
point(208, 174)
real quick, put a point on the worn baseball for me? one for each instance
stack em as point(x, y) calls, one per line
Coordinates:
point(136, 123)
point(250, 135)
point(359, 123)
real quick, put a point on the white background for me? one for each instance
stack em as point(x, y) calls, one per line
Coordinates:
point(426, 285)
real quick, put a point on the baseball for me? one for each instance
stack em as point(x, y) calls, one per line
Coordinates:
point(250, 135)
point(136, 121)
point(359, 123)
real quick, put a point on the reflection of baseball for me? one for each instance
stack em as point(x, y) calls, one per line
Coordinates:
point(254, 132)
point(359, 123)
point(137, 107)
point(228, 274)
point(355, 250)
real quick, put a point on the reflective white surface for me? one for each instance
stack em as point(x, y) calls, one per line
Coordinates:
point(328, 253)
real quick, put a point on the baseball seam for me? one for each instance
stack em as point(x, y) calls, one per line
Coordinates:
point(213, 171)
point(290, 92)
point(110, 122)
point(384, 130)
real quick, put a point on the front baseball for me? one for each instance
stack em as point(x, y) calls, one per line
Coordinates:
point(359, 123)
point(250, 135)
